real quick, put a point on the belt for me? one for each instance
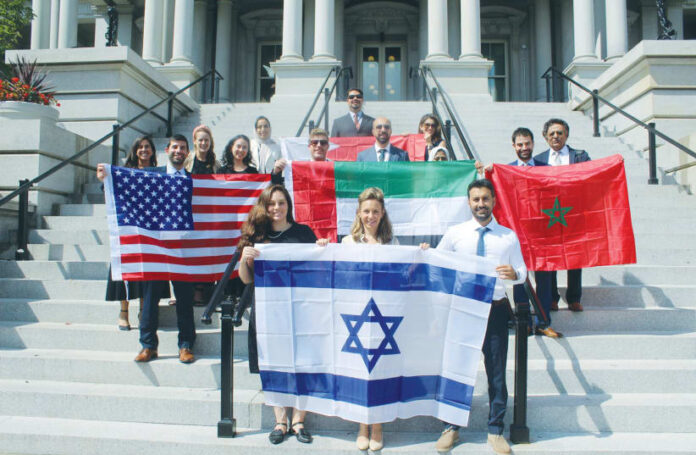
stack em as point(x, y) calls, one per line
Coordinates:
point(502, 301)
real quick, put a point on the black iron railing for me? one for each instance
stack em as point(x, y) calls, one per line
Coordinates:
point(346, 73)
point(24, 185)
point(437, 94)
point(649, 127)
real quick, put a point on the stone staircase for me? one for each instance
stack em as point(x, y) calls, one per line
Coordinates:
point(622, 381)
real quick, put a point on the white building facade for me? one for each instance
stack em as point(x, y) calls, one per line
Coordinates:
point(262, 47)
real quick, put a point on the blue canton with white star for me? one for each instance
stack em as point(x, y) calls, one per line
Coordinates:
point(158, 202)
point(388, 324)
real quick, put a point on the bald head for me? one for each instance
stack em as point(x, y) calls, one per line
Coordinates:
point(381, 130)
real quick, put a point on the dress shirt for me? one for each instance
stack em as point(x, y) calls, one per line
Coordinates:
point(502, 247)
point(528, 163)
point(173, 171)
point(564, 153)
point(386, 154)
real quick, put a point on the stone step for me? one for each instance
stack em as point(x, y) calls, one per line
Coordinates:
point(31, 435)
point(69, 252)
point(545, 375)
point(156, 404)
point(82, 210)
point(636, 275)
point(82, 237)
point(577, 344)
point(55, 270)
point(90, 312)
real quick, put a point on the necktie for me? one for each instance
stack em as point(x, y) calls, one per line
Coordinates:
point(380, 154)
point(481, 246)
point(357, 122)
point(557, 159)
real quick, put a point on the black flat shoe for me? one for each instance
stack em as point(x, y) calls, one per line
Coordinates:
point(302, 434)
point(277, 436)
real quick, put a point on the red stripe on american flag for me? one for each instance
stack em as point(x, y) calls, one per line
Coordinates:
point(217, 225)
point(222, 208)
point(167, 276)
point(234, 177)
point(134, 258)
point(177, 244)
point(226, 192)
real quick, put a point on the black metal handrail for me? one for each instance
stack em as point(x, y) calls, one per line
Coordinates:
point(327, 97)
point(432, 94)
point(316, 98)
point(650, 127)
point(25, 185)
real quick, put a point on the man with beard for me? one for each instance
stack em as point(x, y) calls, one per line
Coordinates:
point(177, 151)
point(355, 122)
point(382, 150)
point(483, 236)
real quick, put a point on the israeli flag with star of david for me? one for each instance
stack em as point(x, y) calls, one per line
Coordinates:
point(371, 333)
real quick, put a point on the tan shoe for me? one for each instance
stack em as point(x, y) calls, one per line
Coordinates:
point(575, 306)
point(548, 332)
point(363, 441)
point(498, 443)
point(186, 356)
point(146, 355)
point(447, 440)
point(554, 305)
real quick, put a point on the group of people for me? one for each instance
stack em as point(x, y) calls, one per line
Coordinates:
point(271, 221)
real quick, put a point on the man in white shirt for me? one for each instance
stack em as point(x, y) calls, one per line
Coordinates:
point(483, 236)
point(355, 122)
point(556, 132)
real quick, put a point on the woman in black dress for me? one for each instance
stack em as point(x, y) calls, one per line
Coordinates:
point(141, 155)
point(271, 221)
point(236, 158)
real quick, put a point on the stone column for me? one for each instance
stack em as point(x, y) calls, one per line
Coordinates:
point(67, 25)
point(471, 29)
point(292, 30)
point(125, 25)
point(583, 30)
point(338, 35)
point(617, 29)
point(223, 42)
point(53, 34)
point(437, 30)
point(101, 25)
point(167, 29)
point(542, 44)
point(152, 32)
point(200, 15)
point(675, 14)
point(40, 25)
point(454, 29)
point(182, 48)
point(324, 19)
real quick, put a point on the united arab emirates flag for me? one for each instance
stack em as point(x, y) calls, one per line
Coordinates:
point(567, 217)
point(422, 199)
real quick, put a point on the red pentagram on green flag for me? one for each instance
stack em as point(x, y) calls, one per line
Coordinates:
point(557, 213)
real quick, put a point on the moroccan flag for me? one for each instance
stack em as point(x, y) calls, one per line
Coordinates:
point(567, 217)
point(422, 199)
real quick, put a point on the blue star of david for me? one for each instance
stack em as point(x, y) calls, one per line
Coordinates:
point(354, 323)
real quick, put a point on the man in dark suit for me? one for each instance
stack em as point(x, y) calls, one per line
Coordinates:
point(382, 150)
point(556, 133)
point(355, 122)
point(177, 151)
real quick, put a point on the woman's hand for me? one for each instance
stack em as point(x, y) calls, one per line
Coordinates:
point(323, 242)
point(424, 246)
point(101, 171)
point(249, 253)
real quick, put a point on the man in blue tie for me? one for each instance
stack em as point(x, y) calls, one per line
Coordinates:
point(382, 150)
point(483, 236)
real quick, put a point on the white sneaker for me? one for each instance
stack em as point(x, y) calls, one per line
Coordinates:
point(447, 440)
point(498, 443)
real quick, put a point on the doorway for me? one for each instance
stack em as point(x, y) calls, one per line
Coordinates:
point(382, 71)
point(498, 76)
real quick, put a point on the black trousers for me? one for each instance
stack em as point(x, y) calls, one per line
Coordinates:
point(149, 319)
point(574, 291)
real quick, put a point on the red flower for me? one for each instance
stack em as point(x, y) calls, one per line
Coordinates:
point(15, 79)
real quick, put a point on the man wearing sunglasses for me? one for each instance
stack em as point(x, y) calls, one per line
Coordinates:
point(383, 150)
point(318, 144)
point(355, 122)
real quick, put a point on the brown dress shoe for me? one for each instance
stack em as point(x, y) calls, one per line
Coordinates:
point(186, 356)
point(146, 355)
point(554, 305)
point(548, 332)
point(576, 306)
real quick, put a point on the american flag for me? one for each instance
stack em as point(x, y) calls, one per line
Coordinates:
point(175, 227)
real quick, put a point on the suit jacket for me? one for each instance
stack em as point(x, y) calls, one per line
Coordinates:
point(576, 156)
point(536, 162)
point(344, 126)
point(395, 154)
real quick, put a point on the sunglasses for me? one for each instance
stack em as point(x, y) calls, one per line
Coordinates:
point(429, 125)
point(350, 97)
point(322, 142)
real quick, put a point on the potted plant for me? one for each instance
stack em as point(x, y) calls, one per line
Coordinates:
point(24, 92)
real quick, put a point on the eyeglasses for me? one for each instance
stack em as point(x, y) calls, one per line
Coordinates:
point(429, 125)
point(350, 97)
point(321, 142)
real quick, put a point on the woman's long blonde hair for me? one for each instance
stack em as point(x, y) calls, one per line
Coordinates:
point(384, 230)
point(210, 159)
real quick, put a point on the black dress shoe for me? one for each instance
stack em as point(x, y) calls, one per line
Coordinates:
point(302, 434)
point(277, 436)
